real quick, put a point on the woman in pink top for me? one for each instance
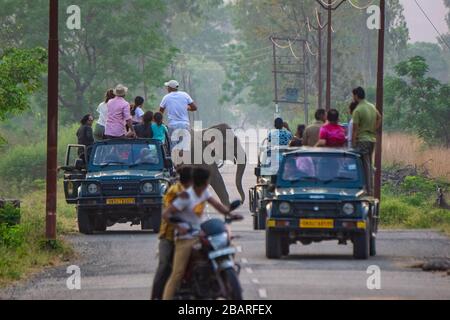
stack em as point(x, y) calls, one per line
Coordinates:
point(119, 116)
point(332, 134)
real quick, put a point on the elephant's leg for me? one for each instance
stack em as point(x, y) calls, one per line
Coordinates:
point(218, 184)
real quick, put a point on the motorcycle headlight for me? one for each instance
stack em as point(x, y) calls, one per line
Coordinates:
point(284, 207)
point(348, 209)
point(147, 187)
point(219, 241)
point(92, 188)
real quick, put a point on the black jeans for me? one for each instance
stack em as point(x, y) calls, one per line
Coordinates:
point(166, 251)
point(366, 149)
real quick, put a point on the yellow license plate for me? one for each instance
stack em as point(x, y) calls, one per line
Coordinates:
point(121, 201)
point(316, 224)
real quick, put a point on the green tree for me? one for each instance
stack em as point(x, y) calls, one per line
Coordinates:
point(417, 102)
point(354, 46)
point(20, 75)
point(117, 42)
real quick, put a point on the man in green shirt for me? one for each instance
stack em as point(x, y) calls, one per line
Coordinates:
point(366, 121)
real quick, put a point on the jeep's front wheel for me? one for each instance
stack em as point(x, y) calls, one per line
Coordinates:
point(361, 245)
point(85, 221)
point(274, 245)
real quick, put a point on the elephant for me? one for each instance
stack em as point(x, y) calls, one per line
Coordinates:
point(236, 154)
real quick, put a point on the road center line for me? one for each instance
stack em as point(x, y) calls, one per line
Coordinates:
point(262, 293)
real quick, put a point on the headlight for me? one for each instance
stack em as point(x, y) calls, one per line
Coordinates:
point(92, 188)
point(164, 187)
point(284, 207)
point(219, 241)
point(365, 208)
point(348, 209)
point(147, 187)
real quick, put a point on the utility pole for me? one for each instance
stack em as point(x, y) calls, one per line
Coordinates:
point(319, 62)
point(319, 28)
point(52, 120)
point(329, 7)
point(380, 97)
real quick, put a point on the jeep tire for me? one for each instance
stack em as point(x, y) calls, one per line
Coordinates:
point(361, 244)
point(156, 220)
point(261, 219)
point(85, 221)
point(100, 224)
point(274, 247)
point(285, 246)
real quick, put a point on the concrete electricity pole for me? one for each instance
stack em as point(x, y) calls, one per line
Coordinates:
point(52, 121)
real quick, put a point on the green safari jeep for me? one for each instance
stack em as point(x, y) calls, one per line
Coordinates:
point(317, 195)
point(117, 181)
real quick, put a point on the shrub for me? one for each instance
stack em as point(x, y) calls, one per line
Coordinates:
point(22, 165)
point(395, 212)
point(9, 215)
point(12, 237)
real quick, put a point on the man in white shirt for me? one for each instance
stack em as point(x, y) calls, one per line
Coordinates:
point(177, 104)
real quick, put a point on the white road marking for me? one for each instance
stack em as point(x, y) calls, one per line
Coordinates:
point(262, 293)
point(255, 281)
point(244, 261)
point(249, 270)
point(239, 249)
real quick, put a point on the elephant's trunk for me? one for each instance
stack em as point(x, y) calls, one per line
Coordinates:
point(241, 159)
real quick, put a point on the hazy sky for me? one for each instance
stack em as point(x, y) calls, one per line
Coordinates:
point(420, 28)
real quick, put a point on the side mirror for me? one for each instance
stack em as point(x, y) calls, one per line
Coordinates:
point(176, 220)
point(273, 179)
point(258, 171)
point(168, 164)
point(271, 188)
point(235, 204)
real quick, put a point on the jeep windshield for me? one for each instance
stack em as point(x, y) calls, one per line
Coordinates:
point(325, 170)
point(126, 156)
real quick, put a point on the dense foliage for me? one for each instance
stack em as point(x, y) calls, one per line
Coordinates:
point(418, 102)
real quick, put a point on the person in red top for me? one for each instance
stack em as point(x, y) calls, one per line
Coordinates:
point(332, 134)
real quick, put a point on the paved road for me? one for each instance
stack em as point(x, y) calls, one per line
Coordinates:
point(120, 265)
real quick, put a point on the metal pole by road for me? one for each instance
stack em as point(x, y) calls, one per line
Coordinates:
point(330, 6)
point(52, 121)
point(329, 57)
point(380, 97)
point(319, 78)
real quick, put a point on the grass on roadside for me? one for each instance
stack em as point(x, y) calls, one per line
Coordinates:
point(411, 205)
point(29, 252)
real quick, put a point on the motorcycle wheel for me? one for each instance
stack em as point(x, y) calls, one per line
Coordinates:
point(232, 285)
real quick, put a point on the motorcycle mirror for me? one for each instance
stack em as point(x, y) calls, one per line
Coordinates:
point(235, 204)
point(176, 220)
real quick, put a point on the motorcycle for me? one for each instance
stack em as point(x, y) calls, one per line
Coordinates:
point(212, 273)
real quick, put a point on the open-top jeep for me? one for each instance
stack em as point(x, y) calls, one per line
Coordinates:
point(117, 181)
point(268, 164)
point(317, 195)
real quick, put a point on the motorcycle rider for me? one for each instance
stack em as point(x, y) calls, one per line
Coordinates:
point(189, 206)
point(167, 234)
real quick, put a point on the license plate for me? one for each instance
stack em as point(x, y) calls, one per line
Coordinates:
point(316, 224)
point(121, 201)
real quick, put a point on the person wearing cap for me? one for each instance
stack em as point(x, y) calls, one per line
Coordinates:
point(177, 104)
point(119, 116)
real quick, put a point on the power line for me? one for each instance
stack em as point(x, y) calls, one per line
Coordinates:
point(435, 28)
